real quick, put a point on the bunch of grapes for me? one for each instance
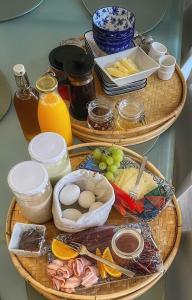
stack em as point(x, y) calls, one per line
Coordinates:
point(108, 162)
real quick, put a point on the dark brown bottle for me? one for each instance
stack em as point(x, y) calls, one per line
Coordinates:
point(26, 100)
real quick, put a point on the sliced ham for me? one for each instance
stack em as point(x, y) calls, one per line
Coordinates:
point(72, 282)
point(52, 269)
point(90, 277)
point(70, 263)
point(57, 282)
point(58, 262)
point(79, 266)
point(65, 271)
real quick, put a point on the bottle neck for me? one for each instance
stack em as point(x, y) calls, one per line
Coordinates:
point(22, 82)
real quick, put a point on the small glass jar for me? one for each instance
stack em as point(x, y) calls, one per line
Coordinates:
point(29, 181)
point(100, 115)
point(130, 114)
point(127, 244)
point(50, 149)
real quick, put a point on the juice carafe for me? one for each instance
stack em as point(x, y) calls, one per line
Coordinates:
point(26, 101)
point(53, 114)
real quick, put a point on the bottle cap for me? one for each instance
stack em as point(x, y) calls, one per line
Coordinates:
point(28, 178)
point(47, 147)
point(46, 84)
point(19, 70)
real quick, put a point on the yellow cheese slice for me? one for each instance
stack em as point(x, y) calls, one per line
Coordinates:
point(121, 68)
point(127, 178)
point(129, 65)
point(116, 72)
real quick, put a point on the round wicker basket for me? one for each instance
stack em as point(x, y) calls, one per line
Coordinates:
point(166, 229)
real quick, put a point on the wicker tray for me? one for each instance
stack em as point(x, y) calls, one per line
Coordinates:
point(166, 230)
point(163, 102)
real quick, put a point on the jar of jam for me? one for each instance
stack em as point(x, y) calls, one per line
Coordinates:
point(100, 115)
point(127, 244)
point(130, 114)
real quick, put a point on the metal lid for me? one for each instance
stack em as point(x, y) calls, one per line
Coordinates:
point(28, 178)
point(80, 65)
point(47, 147)
point(59, 55)
point(46, 84)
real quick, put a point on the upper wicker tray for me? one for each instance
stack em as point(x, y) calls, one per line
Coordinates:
point(166, 229)
point(163, 102)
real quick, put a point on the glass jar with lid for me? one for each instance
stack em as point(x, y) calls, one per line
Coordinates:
point(82, 87)
point(50, 149)
point(100, 115)
point(29, 181)
point(127, 244)
point(130, 114)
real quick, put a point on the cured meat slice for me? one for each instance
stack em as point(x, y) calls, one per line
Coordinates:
point(79, 266)
point(65, 271)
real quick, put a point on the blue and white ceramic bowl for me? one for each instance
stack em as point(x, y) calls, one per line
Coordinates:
point(113, 28)
point(114, 19)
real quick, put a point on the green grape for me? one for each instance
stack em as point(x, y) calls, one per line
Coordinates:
point(117, 164)
point(109, 160)
point(109, 176)
point(112, 168)
point(111, 149)
point(120, 152)
point(97, 154)
point(103, 158)
point(102, 166)
point(117, 158)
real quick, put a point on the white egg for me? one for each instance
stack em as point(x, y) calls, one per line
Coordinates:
point(86, 198)
point(69, 194)
point(71, 214)
point(95, 205)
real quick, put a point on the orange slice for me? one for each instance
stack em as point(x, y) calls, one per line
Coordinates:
point(113, 272)
point(62, 251)
point(100, 266)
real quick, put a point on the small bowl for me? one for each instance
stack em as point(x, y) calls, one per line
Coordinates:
point(114, 20)
point(18, 230)
point(146, 65)
point(113, 28)
point(114, 48)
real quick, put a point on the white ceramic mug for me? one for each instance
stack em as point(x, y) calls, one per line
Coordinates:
point(157, 50)
point(165, 75)
point(167, 63)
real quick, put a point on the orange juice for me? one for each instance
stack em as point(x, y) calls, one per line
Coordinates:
point(53, 115)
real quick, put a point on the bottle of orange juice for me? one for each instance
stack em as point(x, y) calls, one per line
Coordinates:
point(53, 114)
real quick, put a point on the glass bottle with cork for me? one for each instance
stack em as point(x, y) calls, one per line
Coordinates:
point(53, 115)
point(26, 103)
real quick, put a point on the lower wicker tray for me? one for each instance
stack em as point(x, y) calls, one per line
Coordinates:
point(166, 230)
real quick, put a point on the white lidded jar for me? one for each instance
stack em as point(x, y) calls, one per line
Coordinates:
point(29, 181)
point(50, 149)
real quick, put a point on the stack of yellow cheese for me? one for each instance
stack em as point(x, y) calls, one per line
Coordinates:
point(127, 178)
point(123, 67)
